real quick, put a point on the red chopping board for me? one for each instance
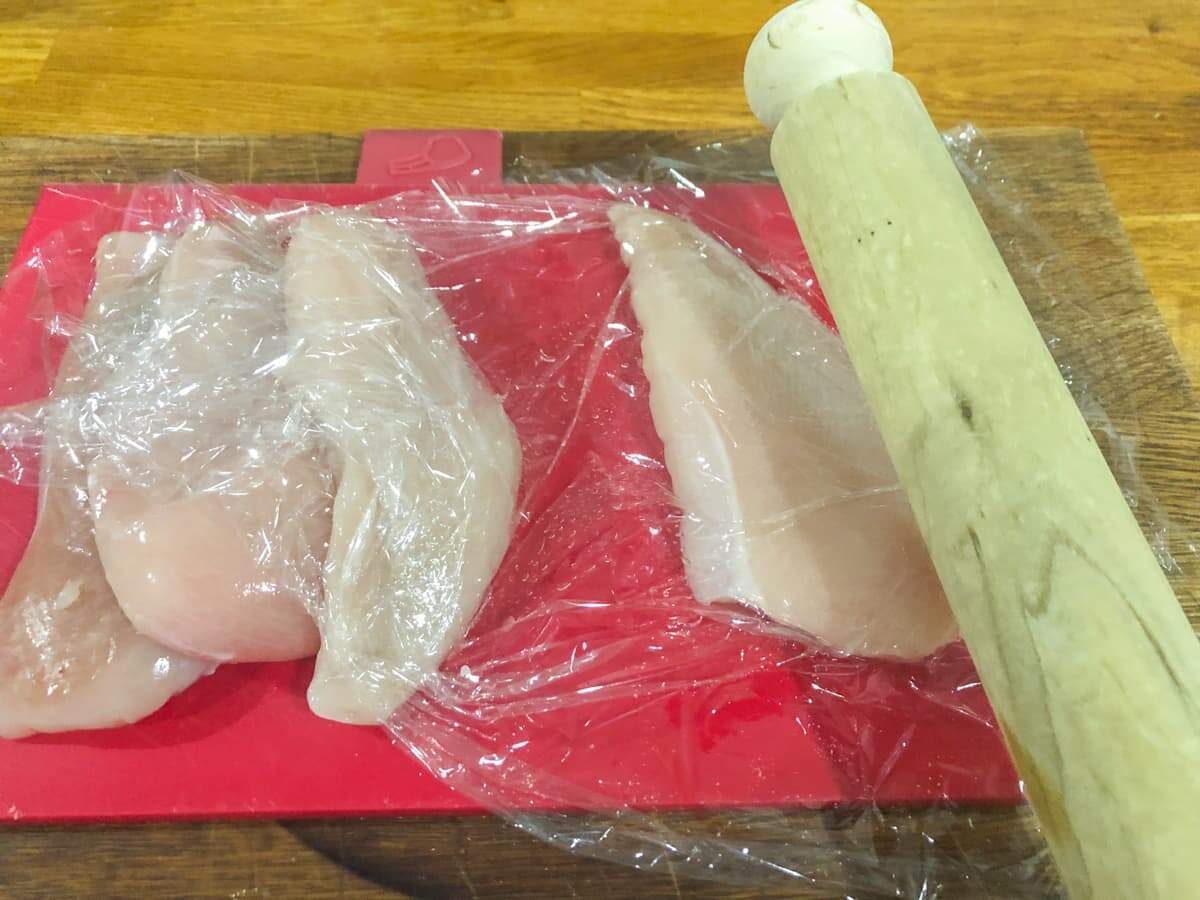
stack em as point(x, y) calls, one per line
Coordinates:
point(799, 728)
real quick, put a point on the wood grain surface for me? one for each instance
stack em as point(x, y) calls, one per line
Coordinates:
point(1090, 299)
point(1128, 74)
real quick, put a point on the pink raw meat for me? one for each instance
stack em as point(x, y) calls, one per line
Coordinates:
point(211, 520)
point(69, 658)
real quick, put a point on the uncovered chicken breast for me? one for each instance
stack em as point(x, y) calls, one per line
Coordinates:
point(790, 504)
point(69, 658)
point(428, 463)
point(211, 512)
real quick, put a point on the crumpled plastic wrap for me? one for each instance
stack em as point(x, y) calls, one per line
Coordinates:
point(426, 423)
point(554, 713)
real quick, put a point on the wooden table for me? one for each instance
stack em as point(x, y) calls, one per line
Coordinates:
point(1098, 294)
point(1127, 73)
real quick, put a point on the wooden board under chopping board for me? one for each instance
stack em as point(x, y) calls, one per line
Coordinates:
point(1059, 186)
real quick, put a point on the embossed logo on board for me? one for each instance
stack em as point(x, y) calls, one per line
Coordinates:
point(439, 153)
point(414, 158)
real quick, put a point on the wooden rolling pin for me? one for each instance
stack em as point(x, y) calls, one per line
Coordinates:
point(1085, 654)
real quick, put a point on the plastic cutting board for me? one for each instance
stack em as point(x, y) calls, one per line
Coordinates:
point(242, 742)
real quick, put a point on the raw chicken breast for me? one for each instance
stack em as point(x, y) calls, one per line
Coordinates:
point(211, 518)
point(790, 502)
point(428, 463)
point(69, 658)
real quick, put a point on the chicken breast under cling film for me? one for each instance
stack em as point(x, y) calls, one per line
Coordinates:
point(790, 503)
point(69, 657)
point(427, 462)
point(211, 506)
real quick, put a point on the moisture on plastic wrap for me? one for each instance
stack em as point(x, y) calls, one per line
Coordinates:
point(571, 486)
